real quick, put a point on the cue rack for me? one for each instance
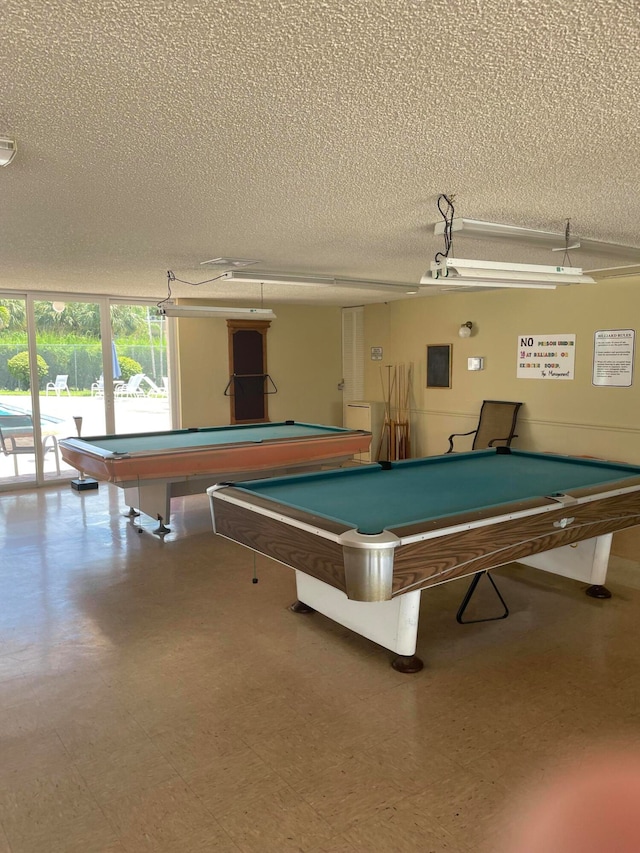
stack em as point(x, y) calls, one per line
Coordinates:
point(395, 438)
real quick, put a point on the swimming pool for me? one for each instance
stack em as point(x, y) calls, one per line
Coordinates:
point(5, 409)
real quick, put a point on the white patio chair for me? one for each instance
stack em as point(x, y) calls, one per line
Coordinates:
point(131, 388)
point(154, 390)
point(97, 388)
point(16, 439)
point(58, 386)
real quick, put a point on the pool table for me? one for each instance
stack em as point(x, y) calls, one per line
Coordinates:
point(153, 467)
point(365, 541)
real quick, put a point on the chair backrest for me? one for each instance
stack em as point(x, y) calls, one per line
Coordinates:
point(152, 385)
point(135, 381)
point(15, 430)
point(61, 381)
point(497, 424)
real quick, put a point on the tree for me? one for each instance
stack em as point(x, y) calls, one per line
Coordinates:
point(128, 367)
point(19, 367)
point(17, 320)
point(76, 318)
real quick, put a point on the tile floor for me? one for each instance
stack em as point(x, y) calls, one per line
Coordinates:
point(153, 699)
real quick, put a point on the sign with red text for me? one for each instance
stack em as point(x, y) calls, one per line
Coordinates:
point(613, 352)
point(546, 356)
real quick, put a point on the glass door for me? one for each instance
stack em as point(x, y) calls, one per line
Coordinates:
point(17, 443)
point(69, 365)
point(140, 368)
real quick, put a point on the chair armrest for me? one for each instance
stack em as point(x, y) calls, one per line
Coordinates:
point(506, 438)
point(455, 434)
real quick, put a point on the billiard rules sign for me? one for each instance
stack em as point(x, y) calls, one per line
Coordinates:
point(546, 356)
point(613, 353)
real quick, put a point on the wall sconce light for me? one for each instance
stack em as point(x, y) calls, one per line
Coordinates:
point(465, 329)
point(8, 150)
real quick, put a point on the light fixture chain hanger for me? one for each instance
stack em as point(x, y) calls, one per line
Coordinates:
point(447, 215)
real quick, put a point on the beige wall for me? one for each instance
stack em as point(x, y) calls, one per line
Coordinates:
point(303, 358)
point(560, 416)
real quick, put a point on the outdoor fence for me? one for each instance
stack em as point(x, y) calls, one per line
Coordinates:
point(82, 363)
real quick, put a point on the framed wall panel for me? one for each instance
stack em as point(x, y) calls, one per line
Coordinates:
point(439, 365)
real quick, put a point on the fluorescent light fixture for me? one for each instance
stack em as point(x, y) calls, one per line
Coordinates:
point(615, 272)
point(229, 262)
point(318, 281)
point(389, 286)
point(203, 311)
point(280, 278)
point(470, 272)
point(532, 236)
point(8, 150)
point(454, 283)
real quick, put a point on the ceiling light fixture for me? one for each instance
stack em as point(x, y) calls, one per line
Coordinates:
point(615, 272)
point(470, 272)
point(229, 262)
point(8, 150)
point(280, 278)
point(318, 281)
point(544, 239)
point(208, 311)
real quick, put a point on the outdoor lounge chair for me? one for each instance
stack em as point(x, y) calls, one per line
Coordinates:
point(131, 388)
point(154, 390)
point(16, 439)
point(58, 386)
point(496, 425)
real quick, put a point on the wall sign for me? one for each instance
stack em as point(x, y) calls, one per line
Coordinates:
point(376, 353)
point(613, 356)
point(546, 356)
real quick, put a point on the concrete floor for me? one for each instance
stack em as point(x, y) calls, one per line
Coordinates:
point(152, 698)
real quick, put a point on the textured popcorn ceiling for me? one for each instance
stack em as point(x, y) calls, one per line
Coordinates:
point(314, 136)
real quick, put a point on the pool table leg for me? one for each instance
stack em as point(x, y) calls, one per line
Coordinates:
point(162, 528)
point(407, 663)
point(585, 561)
point(153, 499)
point(392, 624)
point(598, 591)
point(300, 607)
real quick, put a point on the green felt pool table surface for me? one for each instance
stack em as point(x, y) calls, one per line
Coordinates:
point(207, 437)
point(373, 499)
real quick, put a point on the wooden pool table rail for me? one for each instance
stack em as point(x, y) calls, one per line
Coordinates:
point(436, 552)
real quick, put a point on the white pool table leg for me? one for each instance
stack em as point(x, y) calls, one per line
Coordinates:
point(586, 561)
point(392, 624)
point(152, 498)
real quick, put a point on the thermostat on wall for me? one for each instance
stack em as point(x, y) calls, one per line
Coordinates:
point(475, 363)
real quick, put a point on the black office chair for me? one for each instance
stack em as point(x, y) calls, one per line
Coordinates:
point(496, 425)
point(16, 439)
